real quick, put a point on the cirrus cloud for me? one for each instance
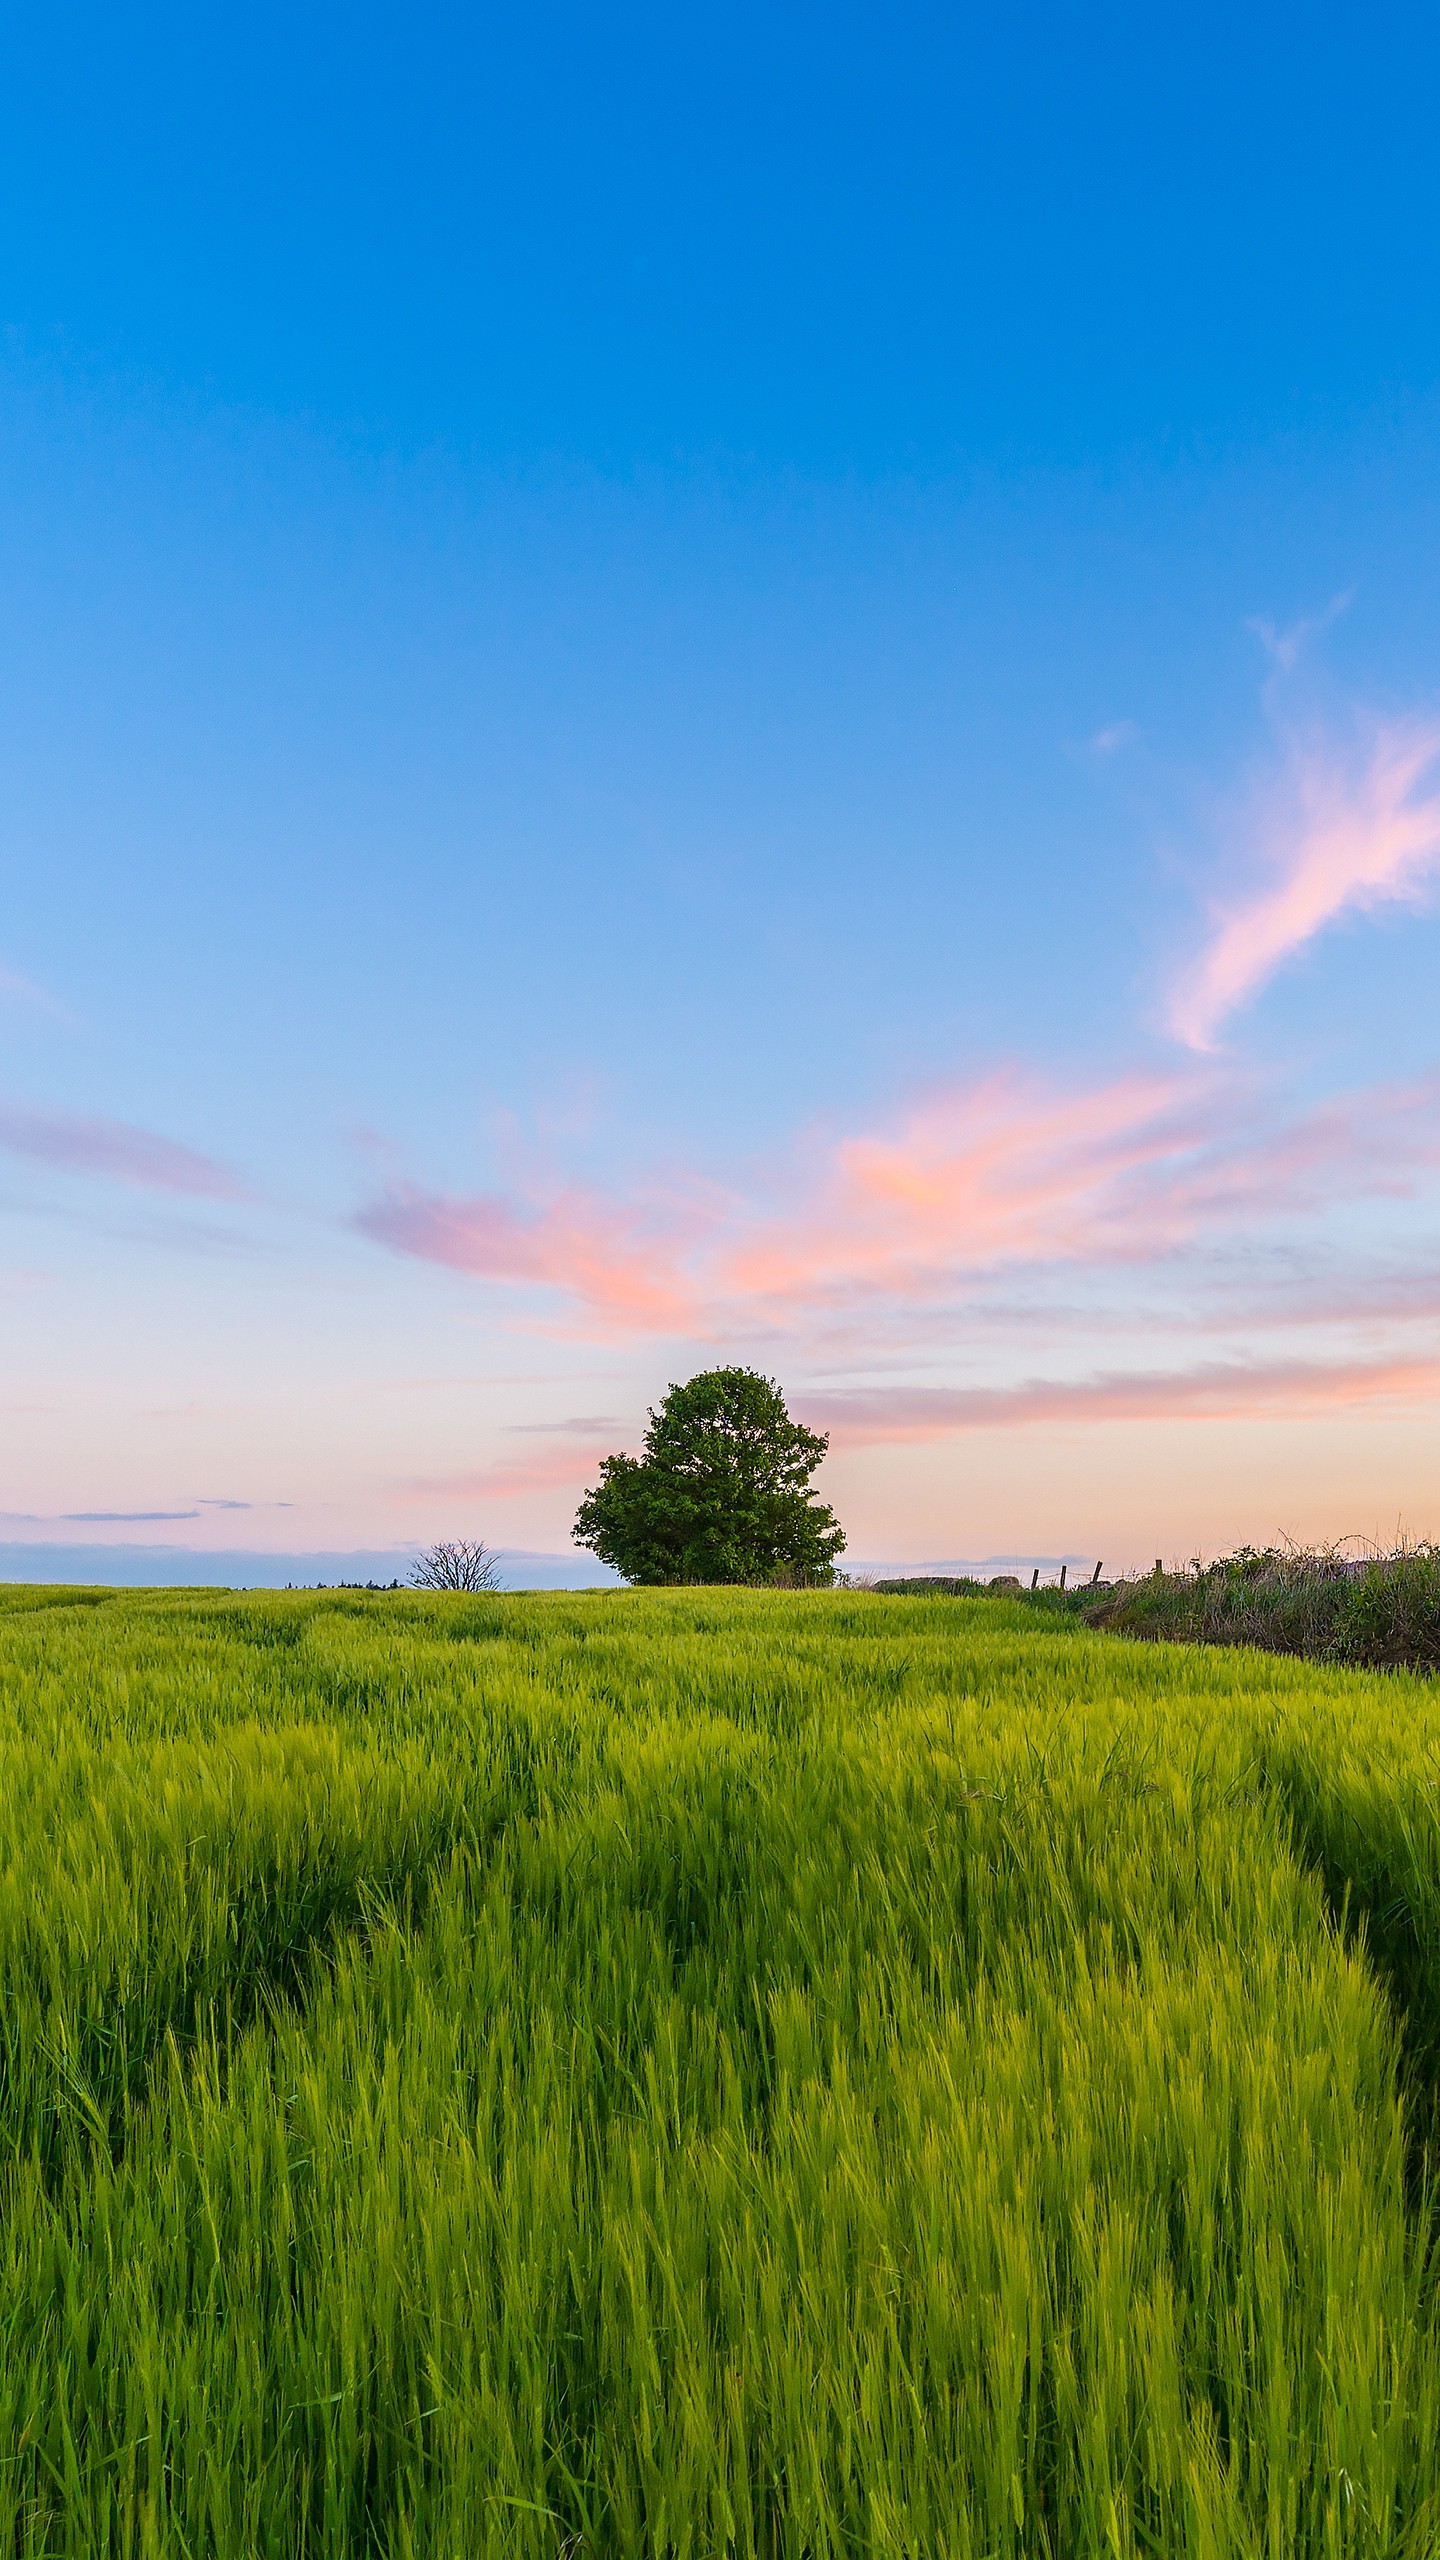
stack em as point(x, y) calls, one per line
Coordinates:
point(1215, 1390)
point(1005, 1174)
point(74, 1142)
point(627, 1269)
point(1344, 835)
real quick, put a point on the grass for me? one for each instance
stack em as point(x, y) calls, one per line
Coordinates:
point(696, 2073)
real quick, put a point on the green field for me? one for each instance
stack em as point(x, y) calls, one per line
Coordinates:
point(708, 2072)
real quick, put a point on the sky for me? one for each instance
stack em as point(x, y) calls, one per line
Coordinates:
point(681, 688)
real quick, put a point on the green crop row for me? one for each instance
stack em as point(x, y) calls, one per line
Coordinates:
point(704, 2073)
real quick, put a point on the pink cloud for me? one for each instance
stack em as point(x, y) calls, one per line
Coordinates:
point(603, 1255)
point(1009, 1173)
point(1003, 1175)
point(561, 1470)
point(997, 1172)
point(71, 1143)
point(1000, 1172)
point(1220, 1390)
point(1341, 840)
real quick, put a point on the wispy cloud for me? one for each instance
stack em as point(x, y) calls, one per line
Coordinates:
point(191, 1511)
point(1221, 1390)
point(1012, 1175)
point(992, 1173)
point(1343, 835)
point(1006, 1170)
point(623, 1264)
point(92, 1517)
point(23, 991)
point(71, 1142)
point(1006, 1174)
point(505, 1480)
point(575, 1426)
point(1285, 643)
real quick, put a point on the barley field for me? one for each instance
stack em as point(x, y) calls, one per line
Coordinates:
point(707, 2073)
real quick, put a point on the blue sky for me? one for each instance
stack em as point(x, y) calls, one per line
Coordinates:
point(683, 689)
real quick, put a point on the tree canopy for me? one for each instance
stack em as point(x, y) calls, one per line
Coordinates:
point(722, 1492)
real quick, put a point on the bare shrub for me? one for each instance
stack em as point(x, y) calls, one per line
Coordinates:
point(456, 1564)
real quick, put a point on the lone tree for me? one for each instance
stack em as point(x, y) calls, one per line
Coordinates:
point(456, 1564)
point(721, 1494)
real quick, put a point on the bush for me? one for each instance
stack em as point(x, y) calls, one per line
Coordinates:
point(1391, 1616)
point(1382, 1611)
